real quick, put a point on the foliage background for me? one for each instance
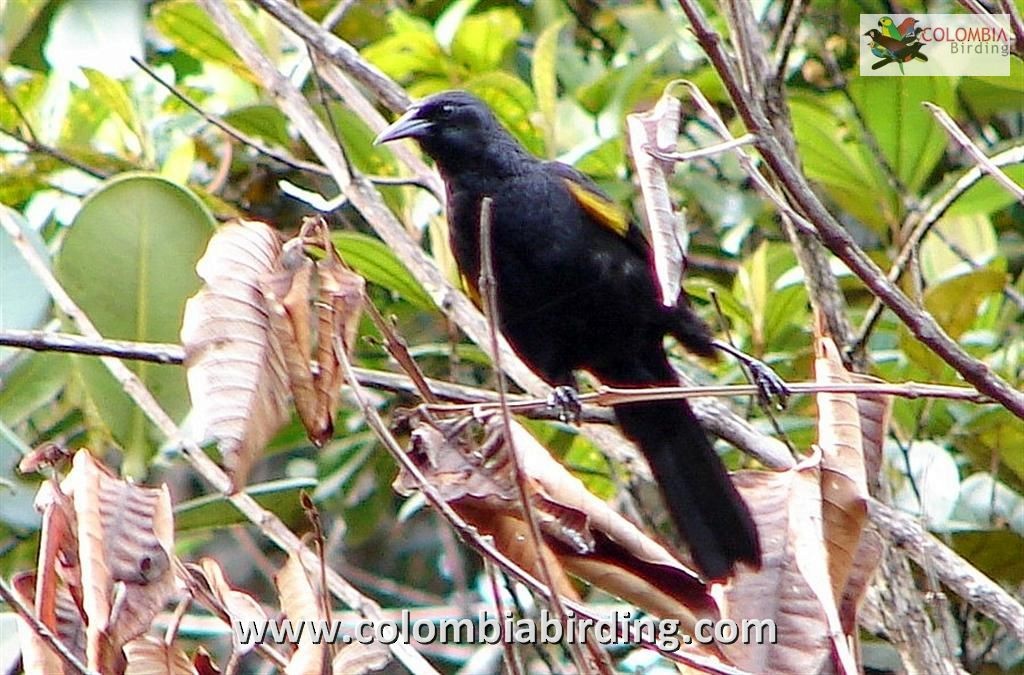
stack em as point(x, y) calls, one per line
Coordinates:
point(121, 184)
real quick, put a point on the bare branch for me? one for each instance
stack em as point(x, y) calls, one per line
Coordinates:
point(974, 151)
point(970, 584)
point(920, 223)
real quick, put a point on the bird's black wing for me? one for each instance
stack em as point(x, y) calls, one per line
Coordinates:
point(600, 207)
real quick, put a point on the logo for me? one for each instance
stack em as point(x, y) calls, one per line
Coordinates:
point(897, 44)
point(935, 44)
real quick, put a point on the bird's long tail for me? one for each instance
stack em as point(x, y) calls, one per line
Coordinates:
point(703, 502)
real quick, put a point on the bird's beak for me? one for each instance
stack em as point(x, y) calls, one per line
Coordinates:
point(406, 126)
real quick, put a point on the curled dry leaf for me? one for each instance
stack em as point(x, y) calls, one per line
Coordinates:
point(357, 658)
point(208, 584)
point(37, 658)
point(236, 373)
point(819, 557)
point(584, 535)
point(149, 655)
point(658, 129)
point(786, 507)
point(106, 545)
point(301, 602)
point(249, 334)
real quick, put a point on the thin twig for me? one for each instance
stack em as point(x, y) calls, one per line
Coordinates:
point(488, 292)
point(59, 155)
point(240, 136)
point(174, 354)
point(787, 37)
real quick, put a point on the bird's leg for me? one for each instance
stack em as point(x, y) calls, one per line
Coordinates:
point(770, 387)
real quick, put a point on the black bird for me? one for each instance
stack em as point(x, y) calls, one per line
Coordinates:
point(576, 290)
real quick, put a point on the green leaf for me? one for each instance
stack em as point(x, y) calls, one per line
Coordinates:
point(973, 235)
point(266, 122)
point(987, 196)
point(26, 91)
point(114, 96)
point(545, 79)
point(407, 56)
point(836, 158)
point(907, 134)
point(190, 29)
point(450, 19)
point(755, 287)
point(16, 18)
point(129, 260)
point(34, 383)
point(995, 432)
point(483, 41)
point(995, 553)
point(24, 301)
point(702, 289)
point(280, 497)
point(512, 101)
point(954, 303)
point(991, 94)
point(375, 261)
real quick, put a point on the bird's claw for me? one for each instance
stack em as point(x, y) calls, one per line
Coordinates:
point(566, 402)
point(770, 387)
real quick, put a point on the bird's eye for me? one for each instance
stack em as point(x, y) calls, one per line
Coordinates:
point(447, 110)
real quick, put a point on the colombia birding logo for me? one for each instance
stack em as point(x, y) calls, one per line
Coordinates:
point(893, 43)
point(928, 45)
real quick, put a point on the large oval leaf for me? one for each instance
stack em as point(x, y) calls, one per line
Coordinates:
point(129, 261)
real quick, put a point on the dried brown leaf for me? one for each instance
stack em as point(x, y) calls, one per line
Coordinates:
point(239, 607)
point(236, 373)
point(358, 658)
point(786, 507)
point(658, 129)
point(589, 539)
point(58, 552)
point(125, 536)
point(300, 602)
point(875, 412)
point(148, 655)
point(844, 482)
point(36, 655)
point(203, 663)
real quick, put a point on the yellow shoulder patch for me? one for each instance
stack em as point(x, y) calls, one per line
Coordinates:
point(606, 212)
point(472, 291)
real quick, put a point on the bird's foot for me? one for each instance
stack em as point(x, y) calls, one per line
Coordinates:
point(770, 387)
point(566, 402)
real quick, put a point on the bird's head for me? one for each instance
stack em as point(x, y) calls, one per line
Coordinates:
point(873, 33)
point(457, 130)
